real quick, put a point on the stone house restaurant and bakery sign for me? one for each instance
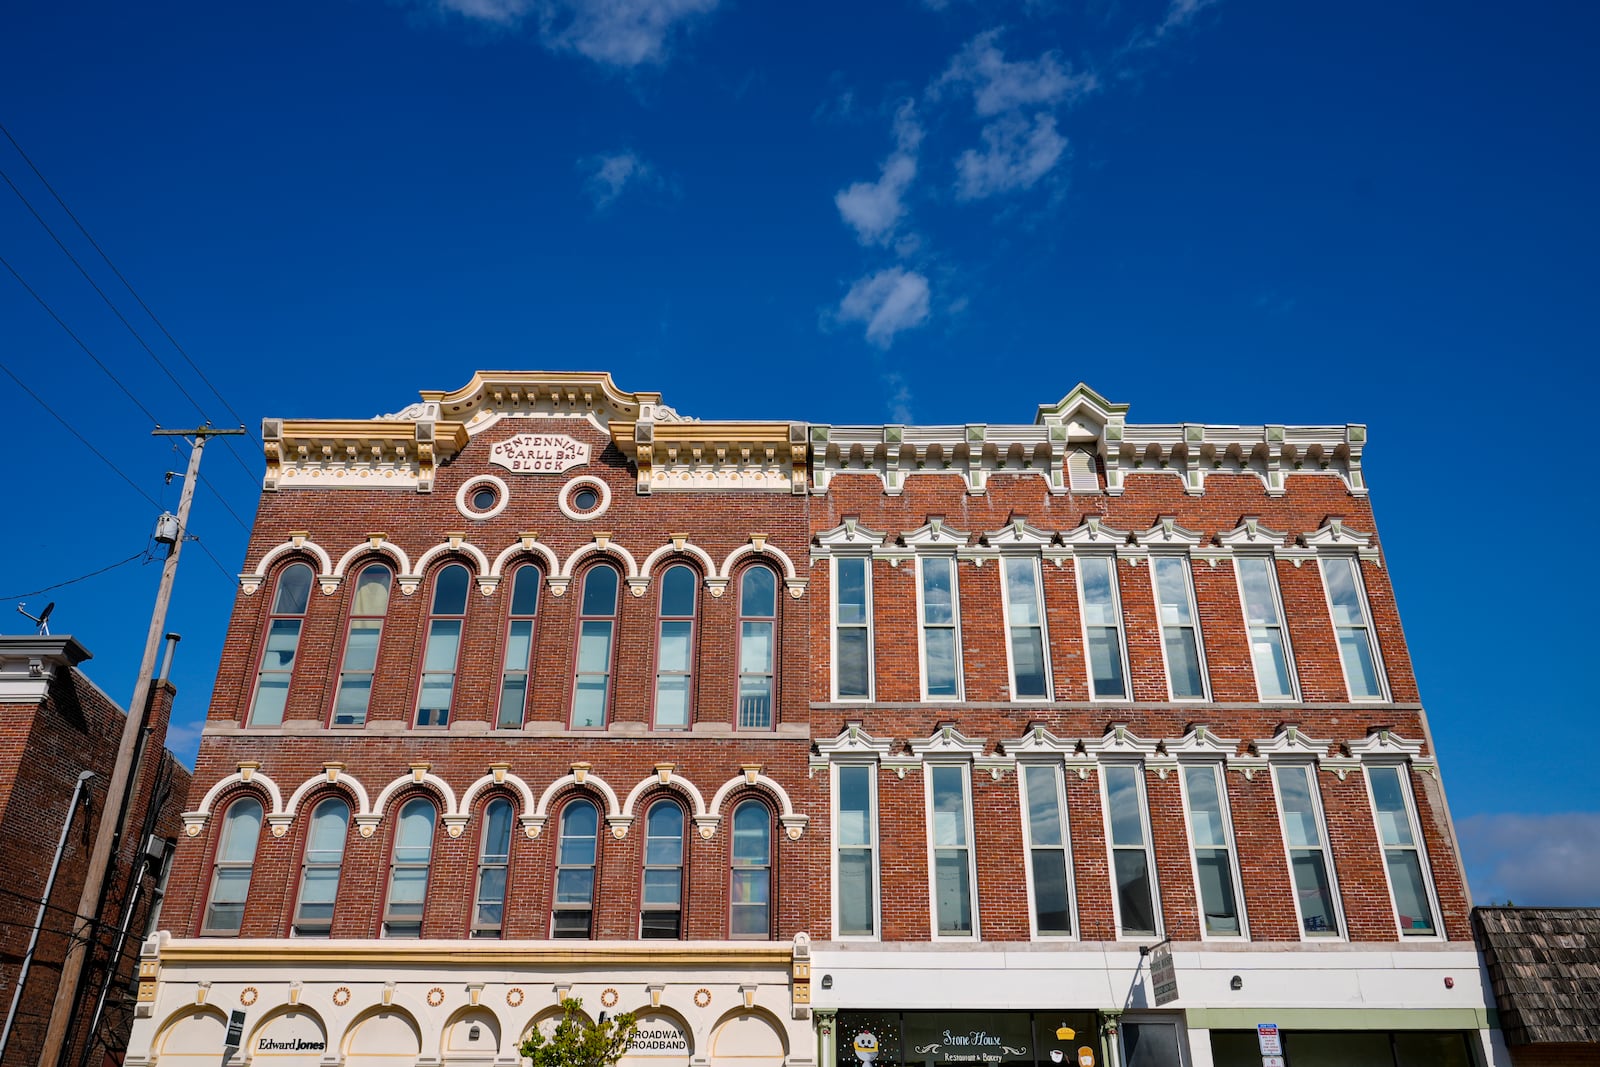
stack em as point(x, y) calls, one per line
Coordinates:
point(539, 453)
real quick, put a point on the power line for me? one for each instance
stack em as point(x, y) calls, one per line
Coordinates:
point(126, 284)
point(141, 554)
point(114, 309)
point(73, 430)
point(224, 502)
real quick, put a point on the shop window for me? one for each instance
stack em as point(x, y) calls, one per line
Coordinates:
point(368, 605)
point(1132, 864)
point(661, 913)
point(855, 853)
point(408, 869)
point(758, 625)
point(520, 631)
point(751, 894)
point(1102, 627)
point(494, 859)
point(443, 648)
point(597, 624)
point(289, 601)
point(1049, 859)
point(319, 873)
point(236, 859)
point(1150, 1044)
point(675, 647)
point(576, 853)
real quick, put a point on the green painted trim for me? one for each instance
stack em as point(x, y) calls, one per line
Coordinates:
point(1342, 1018)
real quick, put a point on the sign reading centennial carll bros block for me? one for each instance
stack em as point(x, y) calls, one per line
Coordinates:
point(539, 453)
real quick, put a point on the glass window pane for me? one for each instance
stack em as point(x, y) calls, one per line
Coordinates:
point(1255, 579)
point(1216, 891)
point(491, 885)
point(1432, 1049)
point(496, 832)
point(1315, 892)
point(1051, 912)
point(416, 827)
point(1151, 1045)
point(752, 834)
point(672, 700)
point(1044, 806)
point(1340, 576)
point(408, 886)
point(351, 707)
point(662, 886)
point(1205, 807)
point(1183, 662)
point(594, 647)
point(589, 702)
point(600, 591)
point(1172, 585)
point(1022, 592)
point(1356, 651)
point(755, 702)
point(293, 592)
point(240, 833)
point(855, 891)
point(513, 694)
point(361, 650)
point(952, 890)
point(372, 592)
point(1393, 822)
point(1410, 892)
point(853, 663)
point(1133, 892)
point(1122, 791)
point(444, 638)
point(665, 822)
point(1099, 602)
point(673, 652)
point(949, 806)
point(283, 637)
point(852, 598)
point(1299, 815)
point(750, 886)
point(1271, 663)
point(1105, 661)
point(938, 592)
point(759, 593)
point(525, 591)
point(940, 653)
point(272, 694)
point(575, 885)
point(755, 648)
point(1027, 660)
point(519, 643)
point(855, 805)
point(328, 826)
point(450, 591)
point(677, 591)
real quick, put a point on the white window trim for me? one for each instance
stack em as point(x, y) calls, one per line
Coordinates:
point(965, 767)
point(922, 628)
point(1220, 769)
point(1058, 770)
point(877, 848)
point(1149, 851)
point(1404, 769)
point(1327, 852)
point(1122, 628)
point(1383, 696)
point(1283, 624)
point(833, 634)
point(1037, 559)
point(1161, 628)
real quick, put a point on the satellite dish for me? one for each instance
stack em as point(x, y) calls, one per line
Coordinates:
point(41, 620)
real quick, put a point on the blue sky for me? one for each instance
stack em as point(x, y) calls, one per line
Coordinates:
point(845, 212)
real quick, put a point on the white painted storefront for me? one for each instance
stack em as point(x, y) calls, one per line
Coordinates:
point(1436, 987)
point(384, 1004)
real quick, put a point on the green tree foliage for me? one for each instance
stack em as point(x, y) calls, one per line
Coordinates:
point(576, 1042)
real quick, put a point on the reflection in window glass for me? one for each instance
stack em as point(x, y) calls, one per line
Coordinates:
point(1180, 636)
point(857, 827)
point(1342, 576)
point(662, 909)
point(952, 851)
point(1269, 648)
point(758, 623)
point(675, 647)
point(751, 892)
point(519, 648)
point(852, 633)
point(1308, 860)
point(408, 870)
point(445, 622)
point(236, 859)
point(367, 608)
point(1030, 677)
point(1213, 859)
point(941, 654)
point(1130, 851)
point(319, 876)
point(494, 858)
point(573, 912)
point(289, 601)
point(1102, 625)
point(596, 626)
point(1401, 854)
point(1047, 850)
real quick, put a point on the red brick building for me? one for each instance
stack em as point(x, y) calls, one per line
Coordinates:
point(539, 687)
point(58, 741)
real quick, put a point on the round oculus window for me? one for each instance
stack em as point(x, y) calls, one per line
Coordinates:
point(484, 498)
point(585, 499)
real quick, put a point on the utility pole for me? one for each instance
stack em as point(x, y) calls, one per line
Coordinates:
point(85, 925)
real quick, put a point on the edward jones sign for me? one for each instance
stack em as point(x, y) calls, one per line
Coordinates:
point(539, 453)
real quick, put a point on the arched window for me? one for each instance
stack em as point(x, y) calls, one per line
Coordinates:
point(597, 625)
point(525, 583)
point(675, 648)
point(236, 858)
point(408, 869)
point(758, 621)
point(444, 643)
point(494, 856)
point(289, 602)
point(573, 912)
point(662, 911)
point(751, 895)
point(368, 605)
point(319, 875)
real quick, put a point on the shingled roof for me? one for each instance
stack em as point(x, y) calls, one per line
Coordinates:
point(1545, 967)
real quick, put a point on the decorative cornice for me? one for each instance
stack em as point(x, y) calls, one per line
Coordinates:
point(849, 538)
point(675, 454)
point(1167, 534)
point(853, 743)
point(1092, 534)
point(1019, 535)
point(935, 536)
point(28, 664)
point(1251, 535)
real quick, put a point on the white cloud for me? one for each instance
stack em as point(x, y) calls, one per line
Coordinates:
point(183, 739)
point(1015, 155)
point(874, 209)
point(999, 85)
point(621, 33)
point(900, 398)
point(887, 302)
point(1179, 14)
point(610, 174)
point(1543, 860)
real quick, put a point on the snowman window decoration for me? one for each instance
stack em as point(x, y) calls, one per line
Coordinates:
point(866, 1048)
